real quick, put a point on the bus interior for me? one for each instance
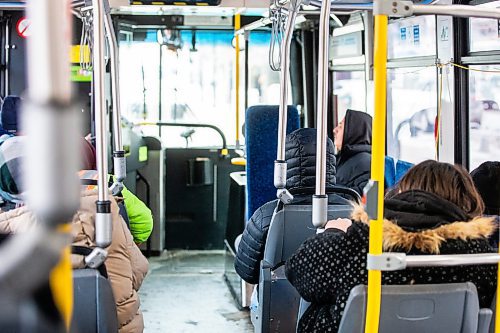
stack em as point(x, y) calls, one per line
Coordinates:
point(196, 114)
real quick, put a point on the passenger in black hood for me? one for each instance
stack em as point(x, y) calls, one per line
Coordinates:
point(353, 140)
point(300, 156)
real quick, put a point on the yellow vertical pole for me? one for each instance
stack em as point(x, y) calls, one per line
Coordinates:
point(377, 166)
point(237, 26)
point(61, 281)
point(497, 309)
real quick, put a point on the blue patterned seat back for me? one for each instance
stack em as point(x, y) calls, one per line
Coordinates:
point(389, 172)
point(402, 168)
point(394, 171)
point(261, 140)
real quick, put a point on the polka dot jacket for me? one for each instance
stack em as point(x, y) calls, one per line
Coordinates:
point(327, 266)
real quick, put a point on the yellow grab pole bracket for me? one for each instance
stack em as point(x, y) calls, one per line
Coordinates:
point(377, 169)
point(237, 26)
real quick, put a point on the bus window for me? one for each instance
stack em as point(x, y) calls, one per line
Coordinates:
point(412, 37)
point(139, 79)
point(484, 115)
point(350, 90)
point(193, 83)
point(411, 113)
point(484, 32)
point(264, 84)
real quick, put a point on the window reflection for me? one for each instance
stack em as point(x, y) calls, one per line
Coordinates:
point(484, 115)
point(411, 113)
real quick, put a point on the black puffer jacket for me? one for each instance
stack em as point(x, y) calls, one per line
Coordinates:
point(354, 159)
point(301, 171)
point(416, 222)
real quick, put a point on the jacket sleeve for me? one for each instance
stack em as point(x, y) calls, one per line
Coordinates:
point(321, 266)
point(250, 251)
point(139, 215)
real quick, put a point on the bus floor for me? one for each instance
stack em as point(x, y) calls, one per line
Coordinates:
point(185, 292)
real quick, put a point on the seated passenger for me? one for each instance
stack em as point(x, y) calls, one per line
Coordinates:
point(300, 156)
point(9, 117)
point(140, 219)
point(435, 210)
point(353, 141)
point(125, 264)
point(486, 177)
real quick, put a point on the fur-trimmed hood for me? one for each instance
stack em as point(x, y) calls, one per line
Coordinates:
point(429, 240)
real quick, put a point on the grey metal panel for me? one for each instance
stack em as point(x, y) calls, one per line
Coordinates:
point(282, 303)
point(436, 308)
point(154, 172)
point(94, 305)
point(261, 318)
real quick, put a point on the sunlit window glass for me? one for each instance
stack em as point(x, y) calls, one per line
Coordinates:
point(350, 90)
point(484, 33)
point(411, 113)
point(484, 115)
point(193, 83)
point(264, 84)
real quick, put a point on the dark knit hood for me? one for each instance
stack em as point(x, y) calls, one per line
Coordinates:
point(300, 156)
point(486, 177)
point(357, 134)
point(418, 210)
point(423, 221)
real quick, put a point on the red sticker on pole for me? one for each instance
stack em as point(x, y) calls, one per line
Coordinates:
point(23, 27)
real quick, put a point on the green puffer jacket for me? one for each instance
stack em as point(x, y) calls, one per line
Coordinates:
point(139, 215)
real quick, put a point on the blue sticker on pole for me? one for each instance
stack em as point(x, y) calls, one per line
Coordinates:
point(416, 34)
point(403, 33)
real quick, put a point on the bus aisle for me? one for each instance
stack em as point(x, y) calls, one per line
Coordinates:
point(185, 292)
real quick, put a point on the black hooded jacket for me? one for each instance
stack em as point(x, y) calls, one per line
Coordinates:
point(417, 223)
point(300, 156)
point(354, 159)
